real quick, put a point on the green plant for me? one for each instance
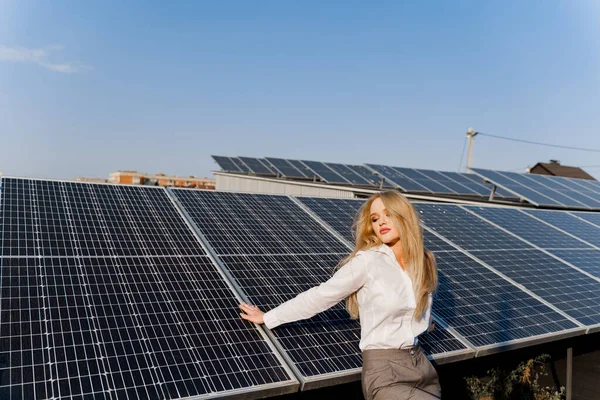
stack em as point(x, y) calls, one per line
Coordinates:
point(518, 384)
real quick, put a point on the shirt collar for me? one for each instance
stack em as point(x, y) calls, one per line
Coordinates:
point(385, 249)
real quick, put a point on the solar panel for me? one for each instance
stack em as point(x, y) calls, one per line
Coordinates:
point(592, 218)
point(567, 190)
point(528, 181)
point(516, 188)
point(83, 314)
point(226, 164)
point(565, 288)
point(325, 173)
point(367, 174)
point(240, 164)
point(586, 260)
point(487, 309)
point(570, 224)
point(423, 180)
point(530, 229)
point(478, 180)
point(348, 174)
point(589, 187)
point(285, 168)
point(465, 229)
point(274, 250)
point(397, 179)
point(452, 185)
point(302, 168)
point(475, 186)
point(256, 166)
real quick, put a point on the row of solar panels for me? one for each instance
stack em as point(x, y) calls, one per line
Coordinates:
point(128, 291)
point(542, 190)
point(539, 190)
point(406, 179)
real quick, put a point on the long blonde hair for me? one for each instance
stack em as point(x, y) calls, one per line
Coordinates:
point(419, 263)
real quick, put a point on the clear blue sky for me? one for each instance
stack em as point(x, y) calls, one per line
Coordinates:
point(88, 88)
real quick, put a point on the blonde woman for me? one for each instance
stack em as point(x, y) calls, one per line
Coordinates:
point(387, 281)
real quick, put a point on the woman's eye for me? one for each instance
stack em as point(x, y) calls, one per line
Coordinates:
point(374, 220)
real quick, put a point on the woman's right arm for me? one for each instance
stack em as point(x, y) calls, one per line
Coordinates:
point(347, 280)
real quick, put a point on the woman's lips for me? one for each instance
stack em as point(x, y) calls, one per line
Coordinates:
point(384, 231)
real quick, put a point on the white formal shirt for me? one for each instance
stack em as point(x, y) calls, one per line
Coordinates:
point(386, 300)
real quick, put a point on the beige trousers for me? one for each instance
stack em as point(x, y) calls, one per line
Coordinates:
point(399, 374)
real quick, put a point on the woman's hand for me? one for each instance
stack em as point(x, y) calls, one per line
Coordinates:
point(252, 313)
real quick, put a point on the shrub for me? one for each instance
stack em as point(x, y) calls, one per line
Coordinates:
point(518, 384)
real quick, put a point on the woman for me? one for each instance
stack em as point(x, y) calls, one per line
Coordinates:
point(388, 281)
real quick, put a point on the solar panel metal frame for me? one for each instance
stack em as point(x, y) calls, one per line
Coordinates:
point(251, 392)
point(588, 328)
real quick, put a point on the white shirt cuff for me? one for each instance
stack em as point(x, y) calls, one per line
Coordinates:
point(270, 319)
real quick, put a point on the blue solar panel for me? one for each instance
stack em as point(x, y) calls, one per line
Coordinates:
point(423, 180)
point(564, 287)
point(256, 166)
point(530, 229)
point(558, 185)
point(325, 173)
point(445, 180)
point(285, 168)
point(367, 174)
point(301, 168)
point(593, 218)
point(535, 184)
point(586, 260)
point(348, 174)
point(226, 164)
point(105, 292)
point(240, 164)
point(478, 180)
point(487, 309)
point(465, 229)
point(516, 188)
point(569, 223)
point(274, 250)
point(397, 179)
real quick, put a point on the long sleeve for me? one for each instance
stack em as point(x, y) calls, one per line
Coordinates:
point(347, 280)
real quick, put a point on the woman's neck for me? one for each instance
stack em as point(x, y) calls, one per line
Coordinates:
point(397, 249)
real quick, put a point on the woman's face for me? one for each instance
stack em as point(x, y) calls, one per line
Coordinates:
point(382, 223)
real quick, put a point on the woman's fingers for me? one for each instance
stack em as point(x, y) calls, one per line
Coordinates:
point(251, 313)
point(248, 308)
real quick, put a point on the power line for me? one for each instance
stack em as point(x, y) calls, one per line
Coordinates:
point(462, 154)
point(539, 143)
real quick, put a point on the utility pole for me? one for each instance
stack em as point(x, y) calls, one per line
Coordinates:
point(470, 134)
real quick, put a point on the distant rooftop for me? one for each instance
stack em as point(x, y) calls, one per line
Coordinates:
point(554, 168)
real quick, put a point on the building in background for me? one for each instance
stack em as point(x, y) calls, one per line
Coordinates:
point(554, 168)
point(138, 178)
